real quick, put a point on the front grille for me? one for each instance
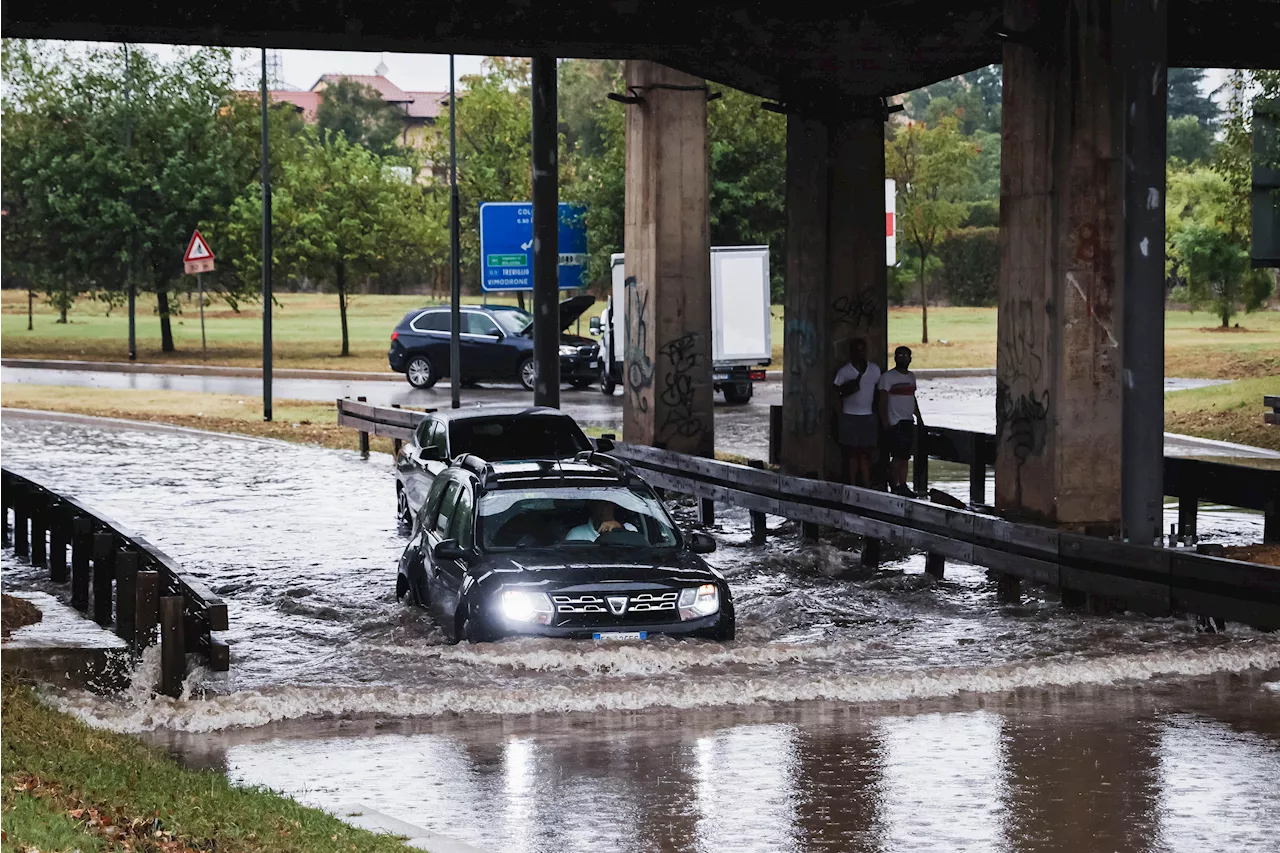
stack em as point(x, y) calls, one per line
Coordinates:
point(643, 602)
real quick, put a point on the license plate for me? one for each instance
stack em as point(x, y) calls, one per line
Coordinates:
point(619, 635)
point(723, 377)
point(595, 364)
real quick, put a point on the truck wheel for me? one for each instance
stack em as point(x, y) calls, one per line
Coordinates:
point(606, 383)
point(420, 372)
point(737, 393)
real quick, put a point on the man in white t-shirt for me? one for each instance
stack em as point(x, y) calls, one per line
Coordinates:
point(899, 413)
point(856, 432)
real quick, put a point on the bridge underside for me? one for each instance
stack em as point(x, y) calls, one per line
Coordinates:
point(770, 48)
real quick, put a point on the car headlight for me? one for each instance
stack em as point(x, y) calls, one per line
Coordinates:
point(567, 349)
point(696, 602)
point(521, 606)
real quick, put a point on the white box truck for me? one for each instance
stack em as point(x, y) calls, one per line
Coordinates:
point(741, 338)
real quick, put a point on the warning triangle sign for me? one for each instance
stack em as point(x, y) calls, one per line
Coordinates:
point(198, 249)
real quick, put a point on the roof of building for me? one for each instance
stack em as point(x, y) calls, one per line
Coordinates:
point(417, 104)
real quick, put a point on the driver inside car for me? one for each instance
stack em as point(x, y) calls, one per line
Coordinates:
point(601, 521)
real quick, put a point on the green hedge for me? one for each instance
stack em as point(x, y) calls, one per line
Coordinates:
point(970, 265)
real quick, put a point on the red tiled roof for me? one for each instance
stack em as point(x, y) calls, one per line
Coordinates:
point(308, 102)
point(417, 104)
point(427, 104)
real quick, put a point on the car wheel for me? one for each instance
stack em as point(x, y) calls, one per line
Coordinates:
point(473, 631)
point(726, 632)
point(528, 374)
point(607, 385)
point(404, 517)
point(420, 372)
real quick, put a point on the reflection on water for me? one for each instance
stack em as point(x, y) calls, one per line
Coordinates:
point(1186, 767)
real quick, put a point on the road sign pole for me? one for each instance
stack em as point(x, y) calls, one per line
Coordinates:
point(266, 254)
point(204, 346)
point(455, 277)
point(546, 235)
point(128, 144)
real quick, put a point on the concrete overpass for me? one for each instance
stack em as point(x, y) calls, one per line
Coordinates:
point(1080, 351)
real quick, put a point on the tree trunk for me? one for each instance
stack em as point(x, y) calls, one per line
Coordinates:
point(924, 306)
point(342, 306)
point(31, 302)
point(166, 329)
point(1226, 317)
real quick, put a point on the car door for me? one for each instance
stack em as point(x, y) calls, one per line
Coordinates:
point(453, 572)
point(435, 530)
point(434, 328)
point(417, 473)
point(481, 346)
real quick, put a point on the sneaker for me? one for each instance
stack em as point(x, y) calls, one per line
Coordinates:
point(903, 491)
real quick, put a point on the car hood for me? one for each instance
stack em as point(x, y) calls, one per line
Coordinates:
point(598, 567)
point(572, 308)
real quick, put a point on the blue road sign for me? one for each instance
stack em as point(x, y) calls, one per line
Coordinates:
point(506, 245)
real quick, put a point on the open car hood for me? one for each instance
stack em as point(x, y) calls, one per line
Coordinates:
point(571, 309)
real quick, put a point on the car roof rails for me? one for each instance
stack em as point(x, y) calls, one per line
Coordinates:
point(621, 467)
point(478, 466)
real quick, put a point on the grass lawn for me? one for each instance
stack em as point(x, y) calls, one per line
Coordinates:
point(69, 787)
point(307, 335)
point(1226, 412)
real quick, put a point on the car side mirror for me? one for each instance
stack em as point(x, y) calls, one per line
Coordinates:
point(449, 549)
point(595, 325)
point(603, 444)
point(701, 543)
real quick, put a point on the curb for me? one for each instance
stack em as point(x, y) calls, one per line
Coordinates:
point(1246, 450)
point(349, 375)
point(364, 817)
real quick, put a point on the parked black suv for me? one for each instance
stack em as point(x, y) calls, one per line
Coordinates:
point(494, 432)
point(579, 548)
point(496, 344)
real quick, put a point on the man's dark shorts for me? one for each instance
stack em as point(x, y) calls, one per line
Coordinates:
point(858, 432)
point(900, 437)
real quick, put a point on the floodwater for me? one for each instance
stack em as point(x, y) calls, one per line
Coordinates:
point(856, 710)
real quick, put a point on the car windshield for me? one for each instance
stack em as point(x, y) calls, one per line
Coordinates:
point(513, 437)
point(513, 321)
point(574, 517)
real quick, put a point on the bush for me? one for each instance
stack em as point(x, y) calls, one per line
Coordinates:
point(983, 214)
point(970, 265)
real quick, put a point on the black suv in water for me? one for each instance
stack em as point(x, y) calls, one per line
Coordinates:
point(496, 344)
point(578, 548)
point(493, 432)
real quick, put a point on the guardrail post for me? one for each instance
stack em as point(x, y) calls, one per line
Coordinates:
point(759, 530)
point(126, 594)
point(6, 501)
point(364, 437)
point(39, 554)
point(1073, 598)
point(1271, 521)
point(870, 552)
point(920, 463)
point(808, 532)
point(103, 575)
point(81, 553)
point(59, 521)
point(173, 650)
point(977, 472)
point(1188, 506)
point(1009, 589)
point(935, 565)
point(21, 520)
point(706, 512)
point(396, 443)
point(146, 608)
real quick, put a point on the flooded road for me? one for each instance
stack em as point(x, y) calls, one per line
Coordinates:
point(856, 710)
point(1192, 767)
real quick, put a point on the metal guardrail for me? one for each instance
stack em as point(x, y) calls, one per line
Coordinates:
point(1273, 416)
point(116, 576)
point(1158, 580)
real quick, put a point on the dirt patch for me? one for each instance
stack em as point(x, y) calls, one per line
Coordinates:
point(1227, 329)
point(17, 613)
point(1268, 555)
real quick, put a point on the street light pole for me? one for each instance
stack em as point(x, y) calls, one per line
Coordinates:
point(133, 242)
point(266, 254)
point(455, 278)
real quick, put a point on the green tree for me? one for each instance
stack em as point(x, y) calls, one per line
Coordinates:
point(359, 113)
point(1217, 271)
point(1186, 97)
point(933, 168)
point(1188, 140)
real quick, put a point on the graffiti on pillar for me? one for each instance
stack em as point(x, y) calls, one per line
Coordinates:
point(858, 310)
point(636, 343)
point(801, 348)
point(1022, 393)
point(676, 392)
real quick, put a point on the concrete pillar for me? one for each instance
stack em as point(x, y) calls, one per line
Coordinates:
point(837, 283)
point(1058, 393)
point(668, 383)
